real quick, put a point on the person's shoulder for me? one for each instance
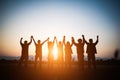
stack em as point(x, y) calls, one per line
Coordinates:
point(78, 44)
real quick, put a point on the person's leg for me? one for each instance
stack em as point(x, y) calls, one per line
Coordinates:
point(93, 61)
point(89, 61)
point(52, 61)
point(62, 61)
point(66, 61)
point(49, 60)
point(26, 61)
point(78, 56)
point(82, 61)
point(36, 57)
point(70, 62)
point(20, 61)
point(40, 59)
point(58, 62)
point(50, 64)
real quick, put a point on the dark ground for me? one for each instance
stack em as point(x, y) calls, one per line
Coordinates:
point(11, 71)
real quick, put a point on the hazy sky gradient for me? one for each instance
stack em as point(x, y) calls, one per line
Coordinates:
point(44, 19)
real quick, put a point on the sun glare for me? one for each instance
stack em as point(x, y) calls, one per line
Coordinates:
point(55, 52)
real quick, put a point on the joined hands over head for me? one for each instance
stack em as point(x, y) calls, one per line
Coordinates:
point(82, 35)
point(31, 36)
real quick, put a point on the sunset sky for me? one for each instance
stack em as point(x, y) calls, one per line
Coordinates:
point(44, 19)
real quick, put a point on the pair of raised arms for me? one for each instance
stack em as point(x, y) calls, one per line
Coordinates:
point(56, 38)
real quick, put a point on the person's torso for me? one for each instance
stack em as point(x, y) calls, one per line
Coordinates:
point(25, 47)
point(68, 50)
point(39, 49)
point(91, 48)
point(80, 48)
point(60, 48)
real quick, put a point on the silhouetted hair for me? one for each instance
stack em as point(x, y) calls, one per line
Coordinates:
point(25, 42)
point(91, 40)
point(59, 42)
point(68, 42)
point(79, 40)
point(39, 41)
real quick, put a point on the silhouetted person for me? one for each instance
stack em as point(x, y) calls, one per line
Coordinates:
point(38, 51)
point(25, 48)
point(50, 53)
point(60, 52)
point(80, 52)
point(68, 53)
point(91, 51)
point(116, 54)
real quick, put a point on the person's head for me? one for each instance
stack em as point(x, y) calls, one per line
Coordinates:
point(68, 43)
point(91, 40)
point(51, 42)
point(79, 40)
point(59, 42)
point(39, 41)
point(25, 42)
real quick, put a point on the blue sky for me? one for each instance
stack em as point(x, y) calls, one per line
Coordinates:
point(51, 18)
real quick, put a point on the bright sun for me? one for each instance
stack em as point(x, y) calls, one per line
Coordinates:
point(55, 52)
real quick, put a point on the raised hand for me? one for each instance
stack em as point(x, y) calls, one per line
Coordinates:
point(31, 36)
point(54, 37)
point(72, 39)
point(82, 35)
point(48, 38)
point(64, 37)
point(97, 36)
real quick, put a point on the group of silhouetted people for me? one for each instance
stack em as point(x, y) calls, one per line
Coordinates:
point(64, 51)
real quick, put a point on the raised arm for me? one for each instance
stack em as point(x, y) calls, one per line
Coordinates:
point(56, 40)
point(97, 40)
point(71, 44)
point(44, 41)
point(84, 40)
point(48, 42)
point(73, 41)
point(64, 40)
point(21, 41)
point(34, 41)
point(30, 40)
point(48, 39)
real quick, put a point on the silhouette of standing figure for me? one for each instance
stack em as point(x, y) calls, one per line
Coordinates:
point(116, 54)
point(80, 52)
point(60, 52)
point(68, 53)
point(25, 48)
point(91, 51)
point(50, 53)
point(38, 51)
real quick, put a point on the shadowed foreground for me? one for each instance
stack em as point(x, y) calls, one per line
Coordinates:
point(10, 71)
